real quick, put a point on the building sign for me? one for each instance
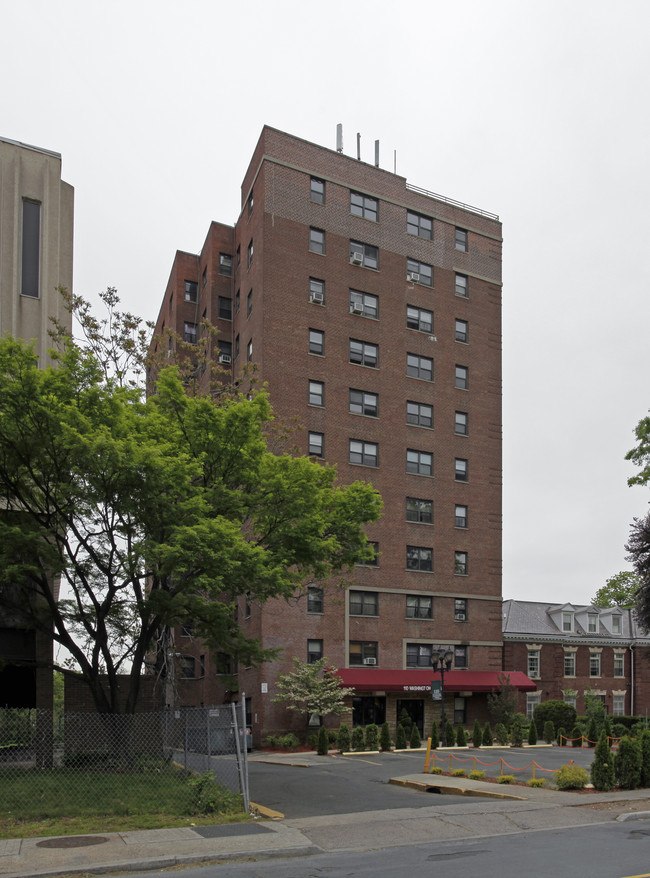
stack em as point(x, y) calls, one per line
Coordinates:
point(436, 690)
point(415, 688)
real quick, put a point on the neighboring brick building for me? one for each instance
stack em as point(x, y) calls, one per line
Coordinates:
point(372, 309)
point(36, 232)
point(568, 649)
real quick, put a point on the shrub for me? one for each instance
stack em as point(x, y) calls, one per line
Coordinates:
point(571, 777)
point(602, 768)
point(372, 737)
point(501, 734)
point(644, 741)
point(312, 740)
point(549, 732)
point(476, 775)
point(332, 737)
point(357, 740)
point(458, 772)
point(592, 733)
point(576, 736)
point(557, 712)
point(323, 741)
point(532, 733)
point(561, 736)
point(536, 782)
point(289, 742)
point(517, 734)
point(343, 739)
point(384, 738)
point(450, 735)
point(435, 769)
point(406, 721)
point(435, 738)
point(209, 797)
point(627, 765)
point(506, 778)
point(488, 740)
point(400, 738)
point(461, 739)
point(416, 742)
point(477, 734)
point(618, 730)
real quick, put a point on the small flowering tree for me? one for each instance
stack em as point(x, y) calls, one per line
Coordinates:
point(312, 689)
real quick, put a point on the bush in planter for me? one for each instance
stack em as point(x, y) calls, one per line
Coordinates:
point(561, 736)
point(416, 742)
point(435, 770)
point(406, 721)
point(501, 734)
point(476, 775)
point(592, 733)
point(549, 732)
point(384, 738)
point(435, 738)
point(323, 741)
point(372, 737)
point(644, 741)
point(619, 730)
point(477, 734)
point(458, 772)
point(332, 737)
point(576, 736)
point(358, 739)
point(450, 735)
point(312, 740)
point(517, 734)
point(571, 777)
point(532, 733)
point(602, 768)
point(627, 765)
point(536, 782)
point(400, 738)
point(343, 739)
point(506, 778)
point(461, 739)
point(488, 740)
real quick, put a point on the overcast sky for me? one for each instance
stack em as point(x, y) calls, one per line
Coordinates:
point(536, 111)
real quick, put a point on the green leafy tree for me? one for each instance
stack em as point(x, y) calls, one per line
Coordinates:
point(558, 712)
point(385, 742)
point(592, 733)
point(549, 732)
point(400, 737)
point(602, 768)
point(312, 689)
point(638, 545)
point(503, 704)
point(644, 741)
point(153, 513)
point(628, 764)
point(477, 734)
point(619, 590)
point(595, 712)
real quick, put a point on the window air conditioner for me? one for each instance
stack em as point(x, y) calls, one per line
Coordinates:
point(460, 617)
point(413, 276)
point(370, 661)
point(317, 298)
point(170, 353)
point(356, 258)
point(356, 308)
point(225, 358)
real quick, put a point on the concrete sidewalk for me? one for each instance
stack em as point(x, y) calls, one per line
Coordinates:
point(517, 809)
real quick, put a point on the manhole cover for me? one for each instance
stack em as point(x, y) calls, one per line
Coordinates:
point(71, 841)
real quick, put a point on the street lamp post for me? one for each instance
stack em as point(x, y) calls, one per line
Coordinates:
point(442, 659)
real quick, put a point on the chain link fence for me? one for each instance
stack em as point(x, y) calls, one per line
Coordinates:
point(137, 760)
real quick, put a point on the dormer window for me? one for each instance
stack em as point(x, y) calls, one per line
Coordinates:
point(616, 624)
point(567, 623)
point(592, 626)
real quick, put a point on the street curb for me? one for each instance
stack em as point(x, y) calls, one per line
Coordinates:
point(633, 815)
point(446, 790)
point(263, 811)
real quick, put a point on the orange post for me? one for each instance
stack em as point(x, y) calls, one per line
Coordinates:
point(428, 756)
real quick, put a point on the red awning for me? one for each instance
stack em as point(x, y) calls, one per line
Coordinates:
point(371, 680)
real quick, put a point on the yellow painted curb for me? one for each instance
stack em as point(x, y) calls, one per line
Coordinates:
point(266, 812)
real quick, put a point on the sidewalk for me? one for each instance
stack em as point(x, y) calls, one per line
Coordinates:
point(516, 809)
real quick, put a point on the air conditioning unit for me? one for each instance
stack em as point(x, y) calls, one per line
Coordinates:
point(225, 358)
point(370, 661)
point(356, 308)
point(317, 298)
point(460, 617)
point(170, 353)
point(413, 277)
point(356, 258)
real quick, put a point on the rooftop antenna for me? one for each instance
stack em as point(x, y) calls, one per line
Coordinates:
point(358, 147)
point(339, 137)
point(376, 153)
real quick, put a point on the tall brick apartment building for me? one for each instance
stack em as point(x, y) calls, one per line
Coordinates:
point(372, 309)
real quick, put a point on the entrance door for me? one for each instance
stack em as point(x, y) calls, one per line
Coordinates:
point(415, 709)
point(368, 709)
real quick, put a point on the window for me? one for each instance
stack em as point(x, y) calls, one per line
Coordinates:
point(316, 444)
point(460, 424)
point(192, 668)
point(237, 300)
point(567, 622)
point(419, 606)
point(317, 240)
point(460, 564)
point(250, 252)
point(460, 609)
point(317, 191)
point(616, 624)
point(460, 516)
point(224, 347)
point(191, 291)
point(364, 453)
point(533, 663)
point(418, 655)
point(363, 353)
point(317, 291)
point(461, 469)
point(373, 560)
point(363, 205)
point(461, 285)
point(236, 345)
point(419, 558)
point(364, 603)
point(460, 240)
point(462, 377)
point(31, 249)
point(618, 705)
point(249, 303)
point(189, 332)
point(462, 330)
point(314, 651)
point(316, 341)
point(419, 511)
point(225, 663)
point(316, 393)
point(419, 318)
point(594, 664)
point(419, 272)
point(364, 403)
point(238, 255)
point(419, 414)
point(364, 254)
point(419, 225)
point(461, 658)
point(225, 264)
point(619, 664)
point(419, 367)
point(419, 462)
point(569, 664)
point(363, 652)
point(592, 623)
point(314, 599)
point(171, 304)
point(249, 350)
point(204, 276)
point(532, 700)
point(569, 699)
point(225, 308)
point(364, 304)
